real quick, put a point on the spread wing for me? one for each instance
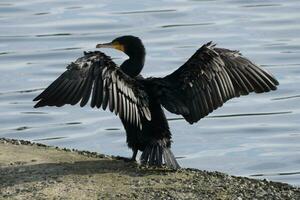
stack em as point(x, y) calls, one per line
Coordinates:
point(96, 75)
point(207, 80)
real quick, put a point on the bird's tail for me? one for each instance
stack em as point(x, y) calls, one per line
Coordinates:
point(157, 153)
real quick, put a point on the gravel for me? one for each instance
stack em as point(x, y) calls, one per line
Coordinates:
point(36, 171)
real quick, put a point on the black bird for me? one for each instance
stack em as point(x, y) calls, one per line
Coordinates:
point(207, 80)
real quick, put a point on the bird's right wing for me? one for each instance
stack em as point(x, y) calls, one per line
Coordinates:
point(96, 75)
point(207, 80)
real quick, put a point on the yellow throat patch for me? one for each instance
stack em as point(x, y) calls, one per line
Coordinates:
point(119, 46)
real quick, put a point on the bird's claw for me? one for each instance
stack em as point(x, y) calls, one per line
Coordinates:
point(125, 159)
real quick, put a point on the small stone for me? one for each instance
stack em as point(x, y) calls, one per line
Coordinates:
point(51, 181)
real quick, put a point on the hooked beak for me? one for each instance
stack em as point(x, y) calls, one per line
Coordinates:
point(105, 45)
point(117, 46)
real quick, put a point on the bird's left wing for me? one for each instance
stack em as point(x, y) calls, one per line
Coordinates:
point(96, 75)
point(207, 80)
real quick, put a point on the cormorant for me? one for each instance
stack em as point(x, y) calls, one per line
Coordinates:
point(202, 84)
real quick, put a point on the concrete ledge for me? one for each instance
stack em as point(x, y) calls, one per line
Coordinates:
point(35, 171)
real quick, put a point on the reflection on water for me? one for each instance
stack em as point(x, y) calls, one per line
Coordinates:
point(257, 135)
point(277, 174)
point(284, 98)
point(54, 35)
point(262, 5)
point(183, 25)
point(23, 91)
point(145, 11)
point(51, 138)
point(22, 128)
point(236, 115)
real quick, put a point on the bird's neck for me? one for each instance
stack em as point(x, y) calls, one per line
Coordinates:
point(133, 66)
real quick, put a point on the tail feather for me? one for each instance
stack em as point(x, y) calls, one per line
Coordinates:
point(145, 155)
point(158, 154)
point(170, 159)
point(152, 156)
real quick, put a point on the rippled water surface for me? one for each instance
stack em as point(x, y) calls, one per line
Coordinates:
point(256, 135)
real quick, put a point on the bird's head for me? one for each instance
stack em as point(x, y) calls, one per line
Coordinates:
point(130, 45)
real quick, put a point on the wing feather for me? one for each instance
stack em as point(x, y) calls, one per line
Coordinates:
point(86, 91)
point(75, 86)
point(78, 93)
point(96, 91)
point(95, 75)
point(207, 80)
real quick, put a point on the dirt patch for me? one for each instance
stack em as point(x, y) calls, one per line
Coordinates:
point(36, 171)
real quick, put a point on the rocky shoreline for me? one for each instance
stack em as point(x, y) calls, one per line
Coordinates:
point(36, 171)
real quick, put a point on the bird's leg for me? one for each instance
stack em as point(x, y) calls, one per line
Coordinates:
point(133, 158)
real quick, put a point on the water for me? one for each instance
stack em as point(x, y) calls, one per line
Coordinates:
point(256, 135)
